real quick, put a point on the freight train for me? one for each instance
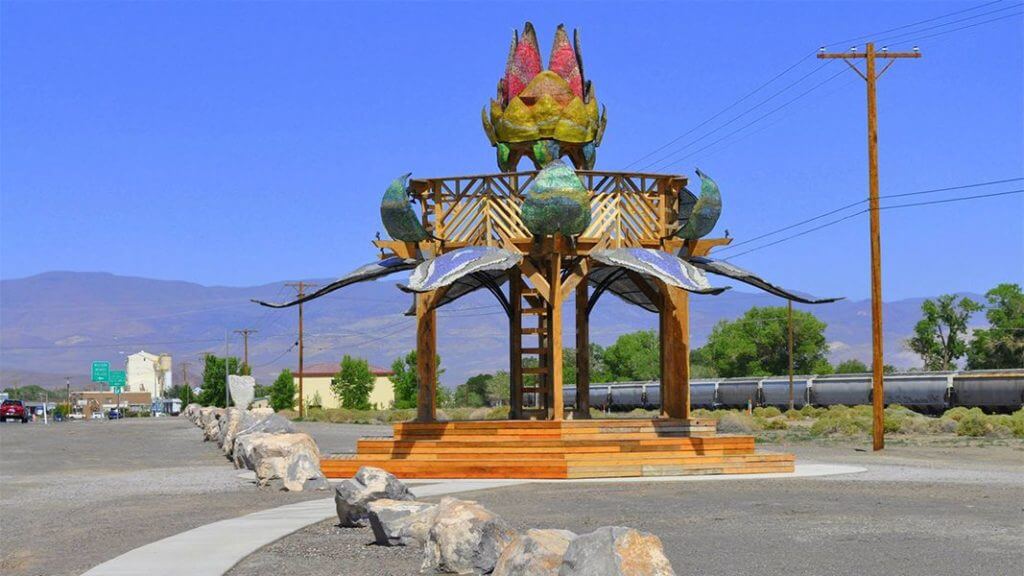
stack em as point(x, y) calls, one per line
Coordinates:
point(927, 392)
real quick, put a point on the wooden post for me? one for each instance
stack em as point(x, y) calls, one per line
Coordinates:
point(515, 341)
point(582, 351)
point(877, 387)
point(555, 336)
point(871, 76)
point(675, 352)
point(426, 358)
point(790, 302)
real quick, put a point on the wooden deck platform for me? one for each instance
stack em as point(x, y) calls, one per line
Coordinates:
point(558, 449)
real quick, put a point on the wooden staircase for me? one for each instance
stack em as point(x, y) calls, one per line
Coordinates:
point(562, 450)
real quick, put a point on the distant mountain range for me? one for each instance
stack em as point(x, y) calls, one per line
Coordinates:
point(54, 324)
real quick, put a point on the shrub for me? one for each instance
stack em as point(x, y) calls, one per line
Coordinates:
point(703, 413)
point(810, 411)
point(772, 424)
point(944, 425)
point(767, 412)
point(735, 423)
point(956, 413)
point(498, 413)
point(841, 420)
point(1017, 423)
point(973, 424)
point(793, 415)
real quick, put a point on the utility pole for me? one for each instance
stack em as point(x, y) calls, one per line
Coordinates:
point(67, 385)
point(870, 76)
point(790, 354)
point(245, 339)
point(300, 287)
point(227, 370)
point(184, 378)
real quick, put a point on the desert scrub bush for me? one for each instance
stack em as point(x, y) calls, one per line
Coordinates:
point(735, 423)
point(400, 415)
point(841, 420)
point(1017, 423)
point(973, 424)
point(767, 411)
point(956, 413)
point(703, 413)
point(793, 414)
point(810, 411)
point(943, 425)
point(771, 423)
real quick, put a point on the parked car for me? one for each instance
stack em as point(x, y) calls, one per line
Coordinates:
point(115, 414)
point(13, 410)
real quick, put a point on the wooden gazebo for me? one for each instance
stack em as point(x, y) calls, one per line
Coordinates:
point(543, 437)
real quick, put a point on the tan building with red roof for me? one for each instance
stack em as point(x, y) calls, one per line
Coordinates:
point(316, 386)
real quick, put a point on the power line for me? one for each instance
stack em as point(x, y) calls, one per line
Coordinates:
point(737, 117)
point(911, 33)
point(722, 111)
point(756, 120)
point(851, 205)
point(866, 210)
point(964, 27)
point(911, 25)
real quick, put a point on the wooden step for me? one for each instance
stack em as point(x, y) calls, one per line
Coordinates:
point(533, 350)
point(535, 311)
point(534, 331)
point(535, 369)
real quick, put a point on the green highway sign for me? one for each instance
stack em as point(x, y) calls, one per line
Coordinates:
point(100, 371)
point(117, 380)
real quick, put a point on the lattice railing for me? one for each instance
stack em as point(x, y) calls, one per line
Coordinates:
point(629, 209)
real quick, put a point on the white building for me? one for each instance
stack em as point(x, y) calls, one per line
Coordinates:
point(145, 372)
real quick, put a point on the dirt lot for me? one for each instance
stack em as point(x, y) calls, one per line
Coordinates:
point(927, 511)
point(75, 494)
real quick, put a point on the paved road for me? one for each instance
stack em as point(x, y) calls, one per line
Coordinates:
point(73, 495)
point(916, 512)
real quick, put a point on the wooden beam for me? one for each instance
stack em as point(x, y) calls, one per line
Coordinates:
point(426, 358)
point(515, 340)
point(675, 352)
point(582, 352)
point(537, 279)
point(555, 336)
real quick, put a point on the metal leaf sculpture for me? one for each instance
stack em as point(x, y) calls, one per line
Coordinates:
point(451, 266)
point(736, 273)
point(398, 216)
point(701, 217)
point(556, 202)
point(659, 265)
point(366, 272)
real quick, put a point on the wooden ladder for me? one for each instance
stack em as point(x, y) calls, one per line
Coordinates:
point(530, 350)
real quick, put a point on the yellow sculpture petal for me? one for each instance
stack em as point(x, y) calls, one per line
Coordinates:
point(516, 123)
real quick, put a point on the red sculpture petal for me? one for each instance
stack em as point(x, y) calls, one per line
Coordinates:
point(564, 62)
point(524, 62)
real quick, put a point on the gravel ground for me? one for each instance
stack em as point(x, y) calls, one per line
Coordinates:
point(76, 494)
point(927, 511)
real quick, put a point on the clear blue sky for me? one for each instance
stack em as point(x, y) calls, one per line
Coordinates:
point(243, 143)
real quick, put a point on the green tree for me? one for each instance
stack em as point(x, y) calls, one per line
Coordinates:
point(214, 379)
point(406, 380)
point(756, 344)
point(1001, 345)
point(633, 356)
point(186, 395)
point(851, 366)
point(598, 370)
point(353, 384)
point(282, 391)
point(498, 389)
point(940, 335)
point(474, 392)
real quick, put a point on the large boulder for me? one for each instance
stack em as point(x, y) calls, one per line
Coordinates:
point(251, 449)
point(232, 423)
point(465, 538)
point(272, 424)
point(192, 412)
point(242, 390)
point(534, 553)
point(211, 423)
point(615, 551)
point(352, 495)
point(391, 519)
point(295, 474)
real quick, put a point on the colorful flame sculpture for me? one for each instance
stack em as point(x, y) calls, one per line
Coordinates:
point(544, 114)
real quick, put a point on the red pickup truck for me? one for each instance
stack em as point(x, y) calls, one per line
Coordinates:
point(13, 409)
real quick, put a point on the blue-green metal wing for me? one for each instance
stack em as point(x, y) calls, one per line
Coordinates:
point(735, 272)
point(366, 272)
point(698, 219)
point(398, 216)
